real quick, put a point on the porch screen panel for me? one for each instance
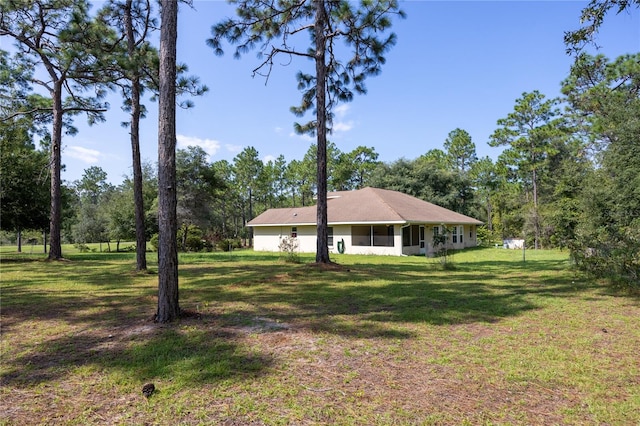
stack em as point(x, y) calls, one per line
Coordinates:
point(361, 235)
point(415, 235)
point(383, 236)
point(406, 236)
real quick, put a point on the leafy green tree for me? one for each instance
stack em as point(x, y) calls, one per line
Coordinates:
point(485, 181)
point(94, 194)
point(569, 168)
point(529, 132)
point(301, 180)
point(247, 170)
point(93, 184)
point(197, 185)
point(354, 169)
point(24, 193)
point(508, 203)
point(133, 21)
point(437, 158)
point(275, 182)
point(606, 95)
point(226, 206)
point(461, 151)
point(273, 28)
point(60, 37)
point(591, 18)
point(121, 224)
point(422, 179)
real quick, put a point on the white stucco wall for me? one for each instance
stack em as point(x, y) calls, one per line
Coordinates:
point(468, 233)
point(267, 238)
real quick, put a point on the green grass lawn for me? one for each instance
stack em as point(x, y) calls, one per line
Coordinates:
point(380, 340)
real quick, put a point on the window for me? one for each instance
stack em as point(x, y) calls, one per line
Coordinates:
point(294, 231)
point(415, 229)
point(379, 236)
point(422, 237)
point(454, 235)
point(461, 234)
point(410, 236)
point(383, 236)
point(406, 236)
point(361, 235)
point(330, 236)
point(436, 231)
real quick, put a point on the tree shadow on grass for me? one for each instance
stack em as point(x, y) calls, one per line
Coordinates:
point(366, 300)
point(139, 354)
point(109, 328)
point(61, 317)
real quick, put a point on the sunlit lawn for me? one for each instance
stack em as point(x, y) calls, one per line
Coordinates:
point(381, 340)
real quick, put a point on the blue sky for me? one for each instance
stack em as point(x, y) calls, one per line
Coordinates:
point(456, 64)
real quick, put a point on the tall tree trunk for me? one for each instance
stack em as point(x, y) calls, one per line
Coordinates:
point(322, 250)
point(55, 245)
point(536, 220)
point(19, 240)
point(168, 306)
point(141, 237)
point(250, 217)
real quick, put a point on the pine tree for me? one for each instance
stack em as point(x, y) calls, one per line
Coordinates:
point(265, 25)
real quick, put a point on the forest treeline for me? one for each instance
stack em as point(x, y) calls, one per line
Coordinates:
point(568, 176)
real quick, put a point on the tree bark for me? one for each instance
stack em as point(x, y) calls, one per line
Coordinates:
point(55, 247)
point(168, 306)
point(322, 250)
point(536, 220)
point(141, 237)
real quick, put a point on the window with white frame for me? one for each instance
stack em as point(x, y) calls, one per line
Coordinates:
point(294, 231)
point(461, 234)
point(330, 236)
point(454, 235)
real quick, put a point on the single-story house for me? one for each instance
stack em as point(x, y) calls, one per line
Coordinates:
point(367, 221)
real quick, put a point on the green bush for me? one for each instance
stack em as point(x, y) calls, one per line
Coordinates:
point(82, 248)
point(487, 238)
point(225, 245)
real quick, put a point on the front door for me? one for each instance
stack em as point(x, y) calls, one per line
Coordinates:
point(422, 244)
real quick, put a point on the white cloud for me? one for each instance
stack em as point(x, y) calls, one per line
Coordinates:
point(342, 126)
point(209, 146)
point(233, 148)
point(341, 110)
point(304, 136)
point(89, 156)
point(268, 158)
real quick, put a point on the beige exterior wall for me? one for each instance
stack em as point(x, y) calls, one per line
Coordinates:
point(267, 238)
point(468, 233)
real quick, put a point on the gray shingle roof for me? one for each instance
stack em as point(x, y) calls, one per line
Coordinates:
point(367, 205)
